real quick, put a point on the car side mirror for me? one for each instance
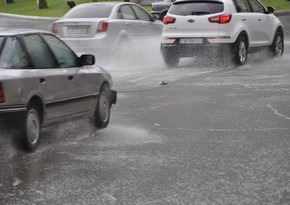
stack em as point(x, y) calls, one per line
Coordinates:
point(87, 59)
point(270, 10)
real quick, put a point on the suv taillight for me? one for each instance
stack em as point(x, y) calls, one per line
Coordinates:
point(221, 19)
point(168, 20)
point(2, 99)
point(53, 28)
point(103, 26)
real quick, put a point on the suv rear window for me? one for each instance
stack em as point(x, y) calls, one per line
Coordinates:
point(186, 8)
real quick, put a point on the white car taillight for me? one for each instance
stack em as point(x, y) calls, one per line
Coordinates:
point(221, 19)
point(2, 99)
point(103, 26)
point(53, 28)
point(168, 20)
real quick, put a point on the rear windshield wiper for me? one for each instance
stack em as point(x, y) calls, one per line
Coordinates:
point(199, 13)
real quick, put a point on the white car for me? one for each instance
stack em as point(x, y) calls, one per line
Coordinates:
point(106, 26)
point(42, 81)
point(195, 28)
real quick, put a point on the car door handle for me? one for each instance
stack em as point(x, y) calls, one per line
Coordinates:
point(259, 19)
point(127, 24)
point(42, 80)
point(244, 19)
point(70, 77)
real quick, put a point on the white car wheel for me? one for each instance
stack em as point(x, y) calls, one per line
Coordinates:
point(240, 50)
point(277, 47)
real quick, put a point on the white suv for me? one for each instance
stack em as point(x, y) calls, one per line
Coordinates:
point(197, 27)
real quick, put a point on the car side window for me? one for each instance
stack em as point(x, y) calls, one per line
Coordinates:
point(141, 14)
point(127, 12)
point(244, 5)
point(13, 54)
point(65, 56)
point(41, 56)
point(256, 6)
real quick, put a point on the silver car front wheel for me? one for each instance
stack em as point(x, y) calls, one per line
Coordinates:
point(103, 108)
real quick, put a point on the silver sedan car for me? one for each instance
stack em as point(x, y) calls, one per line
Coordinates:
point(106, 27)
point(42, 81)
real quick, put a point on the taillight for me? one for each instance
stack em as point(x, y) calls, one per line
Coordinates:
point(2, 99)
point(103, 26)
point(221, 19)
point(168, 20)
point(53, 28)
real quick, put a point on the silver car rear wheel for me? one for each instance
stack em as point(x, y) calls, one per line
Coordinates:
point(31, 129)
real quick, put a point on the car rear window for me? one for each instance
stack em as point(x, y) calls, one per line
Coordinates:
point(99, 11)
point(196, 8)
point(1, 41)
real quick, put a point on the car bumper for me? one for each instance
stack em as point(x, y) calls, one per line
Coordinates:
point(114, 97)
point(190, 50)
point(12, 116)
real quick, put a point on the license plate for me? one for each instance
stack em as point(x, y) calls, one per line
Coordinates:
point(77, 31)
point(191, 41)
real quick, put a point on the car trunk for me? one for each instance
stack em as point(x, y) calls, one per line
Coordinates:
point(78, 28)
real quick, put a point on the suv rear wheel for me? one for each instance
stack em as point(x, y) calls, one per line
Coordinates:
point(240, 50)
point(170, 57)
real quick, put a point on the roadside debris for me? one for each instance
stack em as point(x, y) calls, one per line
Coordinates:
point(163, 83)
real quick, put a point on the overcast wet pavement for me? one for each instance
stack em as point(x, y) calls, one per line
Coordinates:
point(209, 135)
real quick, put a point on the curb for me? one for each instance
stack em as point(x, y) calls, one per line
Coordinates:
point(282, 12)
point(28, 17)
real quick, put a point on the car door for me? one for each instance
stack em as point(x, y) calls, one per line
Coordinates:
point(82, 87)
point(146, 26)
point(262, 23)
point(51, 80)
point(129, 20)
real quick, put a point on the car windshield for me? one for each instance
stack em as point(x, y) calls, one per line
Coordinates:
point(97, 11)
point(196, 8)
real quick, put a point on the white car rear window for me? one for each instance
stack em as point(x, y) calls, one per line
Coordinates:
point(196, 8)
point(101, 11)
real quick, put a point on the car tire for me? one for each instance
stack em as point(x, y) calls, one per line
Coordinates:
point(170, 57)
point(277, 47)
point(240, 51)
point(103, 109)
point(171, 60)
point(161, 17)
point(31, 128)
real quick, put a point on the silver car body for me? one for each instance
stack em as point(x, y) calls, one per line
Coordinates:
point(63, 92)
point(125, 21)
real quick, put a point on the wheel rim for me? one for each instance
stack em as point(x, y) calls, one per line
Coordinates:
point(242, 52)
point(32, 127)
point(104, 107)
point(278, 46)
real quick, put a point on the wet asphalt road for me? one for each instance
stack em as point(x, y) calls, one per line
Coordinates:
point(211, 135)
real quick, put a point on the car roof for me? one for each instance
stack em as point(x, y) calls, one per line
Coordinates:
point(182, 1)
point(108, 3)
point(19, 31)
